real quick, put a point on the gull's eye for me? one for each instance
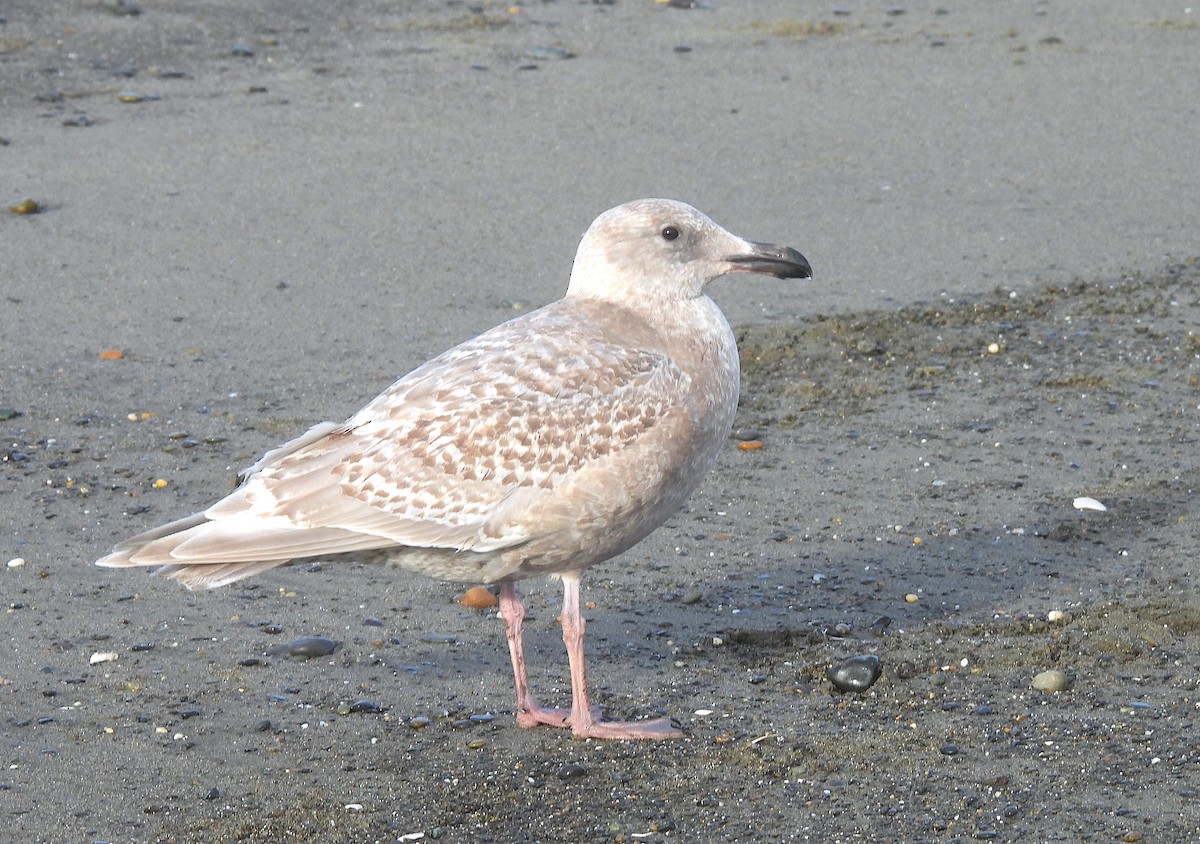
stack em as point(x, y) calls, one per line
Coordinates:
point(670, 233)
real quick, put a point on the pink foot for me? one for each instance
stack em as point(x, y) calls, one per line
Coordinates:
point(547, 716)
point(658, 729)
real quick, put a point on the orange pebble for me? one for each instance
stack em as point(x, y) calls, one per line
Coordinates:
point(112, 354)
point(478, 598)
point(750, 445)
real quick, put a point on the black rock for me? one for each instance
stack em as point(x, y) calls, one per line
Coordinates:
point(856, 674)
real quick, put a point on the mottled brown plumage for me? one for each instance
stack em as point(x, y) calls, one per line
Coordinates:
point(547, 444)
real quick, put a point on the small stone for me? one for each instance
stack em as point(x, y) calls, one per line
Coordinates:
point(419, 721)
point(372, 621)
point(365, 705)
point(438, 638)
point(692, 597)
point(16, 562)
point(911, 598)
point(263, 726)
point(948, 750)
point(571, 771)
point(478, 598)
point(856, 674)
point(103, 656)
point(1053, 681)
point(25, 206)
point(547, 53)
point(212, 794)
point(308, 647)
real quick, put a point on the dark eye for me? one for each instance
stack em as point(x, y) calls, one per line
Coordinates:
point(670, 233)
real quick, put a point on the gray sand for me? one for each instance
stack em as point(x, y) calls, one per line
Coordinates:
point(271, 239)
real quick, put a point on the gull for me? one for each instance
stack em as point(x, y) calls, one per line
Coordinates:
point(549, 443)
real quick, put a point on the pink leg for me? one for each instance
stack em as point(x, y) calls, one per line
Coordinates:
point(529, 714)
point(584, 721)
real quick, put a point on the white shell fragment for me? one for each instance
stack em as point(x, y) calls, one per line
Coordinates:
point(102, 656)
point(1085, 503)
point(16, 563)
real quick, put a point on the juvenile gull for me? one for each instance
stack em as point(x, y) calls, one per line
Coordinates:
point(547, 444)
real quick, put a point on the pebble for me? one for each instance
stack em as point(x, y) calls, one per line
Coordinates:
point(372, 621)
point(212, 794)
point(16, 563)
point(25, 206)
point(692, 597)
point(438, 638)
point(308, 647)
point(546, 53)
point(571, 771)
point(478, 598)
point(102, 656)
point(419, 721)
point(1053, 681)
point(856, 674)
point(263, 726)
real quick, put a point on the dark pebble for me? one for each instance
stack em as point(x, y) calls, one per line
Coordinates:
point(272, 629)
point(242, 51)
point(571, 771)
point(372, 621)
point(212, 794)
point(189, 713)
point(141, 646)
point(856, 674)
point(366, 705)
point(308, 647)
point(483, 718)
point(881, 624)
point(250, 661)
point(438, 638)
point(263, 726)
point(948, 749)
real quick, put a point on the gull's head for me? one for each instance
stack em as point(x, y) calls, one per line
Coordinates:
point(664, 250)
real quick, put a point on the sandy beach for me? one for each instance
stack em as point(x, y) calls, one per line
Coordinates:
point(251, 217)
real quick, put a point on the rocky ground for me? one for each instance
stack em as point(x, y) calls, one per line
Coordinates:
point(912, 499)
